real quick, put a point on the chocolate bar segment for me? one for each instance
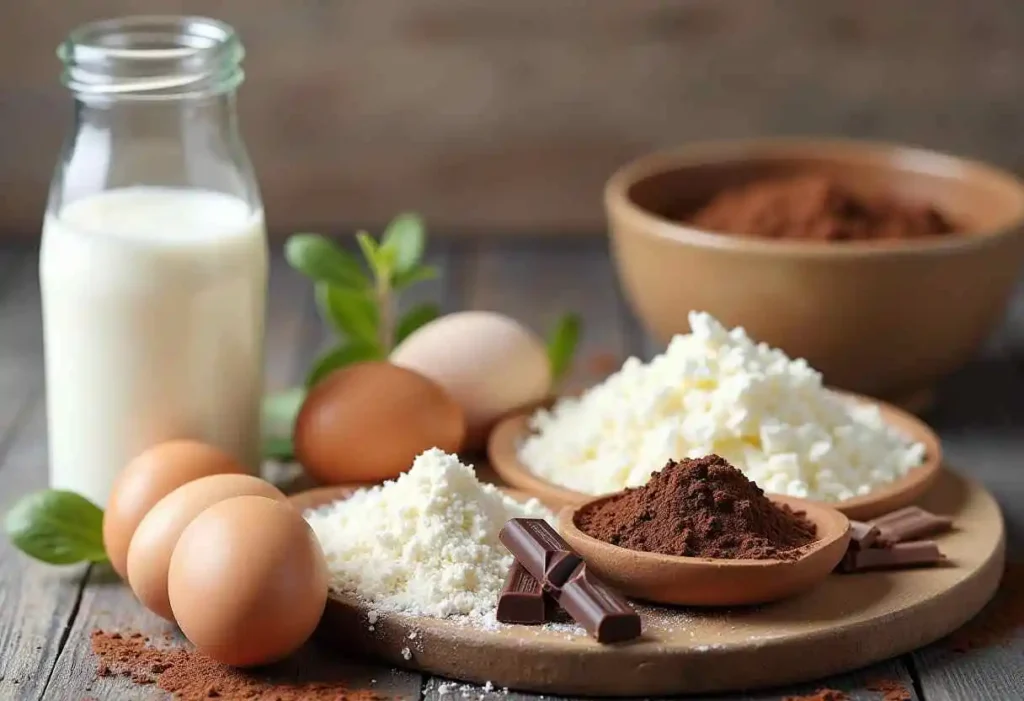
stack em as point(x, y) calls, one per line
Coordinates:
point(540, 549)
point(911, 523)
point(603, 612)
point(863, 535)
point(523, 600)
point(914, 553)
point(545, 554)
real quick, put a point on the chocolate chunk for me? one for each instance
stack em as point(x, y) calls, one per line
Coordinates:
point(910, 554)
point(545, 554)
point(911, 523)
point(863, 535)
point(541, 551)
point(599, 609)
point(522, 599)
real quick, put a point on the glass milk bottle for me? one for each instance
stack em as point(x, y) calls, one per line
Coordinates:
point(153, 265)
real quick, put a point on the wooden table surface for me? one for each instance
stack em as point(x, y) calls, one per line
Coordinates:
point(46, 614)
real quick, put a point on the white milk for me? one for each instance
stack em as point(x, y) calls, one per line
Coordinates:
point(153, 314)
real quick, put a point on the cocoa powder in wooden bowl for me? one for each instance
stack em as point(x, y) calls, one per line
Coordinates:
point(701, 534)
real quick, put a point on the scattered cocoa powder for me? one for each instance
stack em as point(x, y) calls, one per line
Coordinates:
point(998, 621)
point(703, 507)
point(192, 676)
point(821, 695)
point(892, 689)
point(816, 208)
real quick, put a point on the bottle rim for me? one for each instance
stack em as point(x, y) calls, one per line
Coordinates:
point(152, 57)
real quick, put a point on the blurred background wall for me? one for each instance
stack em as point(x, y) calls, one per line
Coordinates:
point(502, 117)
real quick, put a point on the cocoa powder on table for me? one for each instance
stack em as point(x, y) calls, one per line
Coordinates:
point(891, 689)
point(820, 695)
point(816, 208)
point(701, 507)
point(192, 676)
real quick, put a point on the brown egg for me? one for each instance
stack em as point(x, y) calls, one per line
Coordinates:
point(248, 581)
point(149, 478)
point(149, 553)
point(368, 421)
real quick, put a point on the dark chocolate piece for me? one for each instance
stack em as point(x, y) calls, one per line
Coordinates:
point(599, 609)
point(523, 600)
point(911, 523)
point(863, 535)
point(909, 554)
point(541, 551)
point(545, 554)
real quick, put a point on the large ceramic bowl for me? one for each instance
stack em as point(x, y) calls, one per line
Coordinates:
point(882, 318)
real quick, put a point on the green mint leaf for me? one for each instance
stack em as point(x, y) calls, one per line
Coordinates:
point(57, 527)
point(368, 246)
point(350, 311)
point(278, 448)
point(414, 318)
point(562, 345)
point(279, 411)
point(340, 357)
point(322, 260)
point(404, 239)
point(380, 259)
point(414, 275)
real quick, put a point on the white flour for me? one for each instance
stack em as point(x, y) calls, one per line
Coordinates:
point(425, 544)
point(716, 391)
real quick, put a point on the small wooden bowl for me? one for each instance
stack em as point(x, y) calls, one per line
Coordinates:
point(695, 581)
point(504, 442)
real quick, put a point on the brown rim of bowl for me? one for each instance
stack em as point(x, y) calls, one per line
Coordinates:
point(831, 524)
point(911, 159)
point(503, 453)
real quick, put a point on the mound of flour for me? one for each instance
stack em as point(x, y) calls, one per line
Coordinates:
point(426, 543)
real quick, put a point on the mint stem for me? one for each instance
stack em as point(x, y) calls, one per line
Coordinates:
point(386, 306)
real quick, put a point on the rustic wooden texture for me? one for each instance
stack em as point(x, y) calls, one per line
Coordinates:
point(507, 117)
point(46, 614)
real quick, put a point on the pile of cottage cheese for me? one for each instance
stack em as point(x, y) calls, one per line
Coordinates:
point(425, 544)
point(717, 391)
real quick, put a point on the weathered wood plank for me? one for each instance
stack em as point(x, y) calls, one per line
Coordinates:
point(37, 603)
point(34, 605)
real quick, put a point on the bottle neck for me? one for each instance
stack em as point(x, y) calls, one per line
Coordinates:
point(151, 59)
point(154, 106)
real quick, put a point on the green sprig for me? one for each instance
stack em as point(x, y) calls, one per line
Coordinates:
point(358, 298)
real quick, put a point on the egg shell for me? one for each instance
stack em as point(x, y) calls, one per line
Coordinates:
point(149, 553)
point(367, 422)
point(245, 605)
point(147, 479)
point(489, 363)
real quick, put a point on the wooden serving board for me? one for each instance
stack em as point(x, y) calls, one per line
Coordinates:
point(847, 622)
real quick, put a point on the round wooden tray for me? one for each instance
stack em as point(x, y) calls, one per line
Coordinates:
point(847, 622)
point(507, 436)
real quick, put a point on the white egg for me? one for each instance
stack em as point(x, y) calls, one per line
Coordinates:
point(490, 364)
